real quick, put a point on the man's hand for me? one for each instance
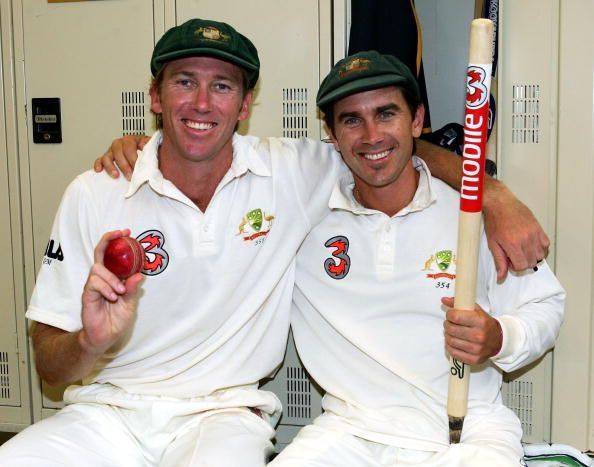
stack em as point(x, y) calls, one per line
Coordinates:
point(107, 315)
point(515, 237)
point(123, 152)
point(109, 305)
point(471, 336)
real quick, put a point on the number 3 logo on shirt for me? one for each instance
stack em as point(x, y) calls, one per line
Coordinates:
point(338, 269)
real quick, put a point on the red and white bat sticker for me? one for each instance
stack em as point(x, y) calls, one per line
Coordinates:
point(478, 83)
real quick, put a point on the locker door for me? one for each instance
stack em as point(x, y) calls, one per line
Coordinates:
point(573, 387)
point(14, 381)
point(527, 123)
point(294, 45)
point(293, 42)
point(9, 381)
point(93, 56)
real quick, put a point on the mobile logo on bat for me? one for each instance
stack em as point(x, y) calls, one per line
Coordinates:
point(477, 87)
point(478, 82)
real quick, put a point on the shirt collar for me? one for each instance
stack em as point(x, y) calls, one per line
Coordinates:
point(342, 196)
point(245, 157)
point(146, 170)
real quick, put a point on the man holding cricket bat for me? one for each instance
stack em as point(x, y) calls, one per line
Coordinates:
point(372, 316)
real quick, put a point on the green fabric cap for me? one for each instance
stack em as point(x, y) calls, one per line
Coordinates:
point(365, 71)
point(200, 37)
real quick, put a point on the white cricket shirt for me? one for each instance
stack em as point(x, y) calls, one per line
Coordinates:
point(214, 307)
point(368, 321)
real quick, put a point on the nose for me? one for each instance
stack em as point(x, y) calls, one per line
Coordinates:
point(201, 99)
point(372, 133)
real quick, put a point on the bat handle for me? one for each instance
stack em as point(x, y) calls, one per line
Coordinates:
point(469, 229)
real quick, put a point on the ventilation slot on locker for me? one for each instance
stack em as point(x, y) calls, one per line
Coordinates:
point(518, 396)
point(526, 114)
point(298, 395)
point(4, 377)
point(295, 112)
point(133, 113)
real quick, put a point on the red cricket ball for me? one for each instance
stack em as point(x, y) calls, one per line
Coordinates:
point(124, 256)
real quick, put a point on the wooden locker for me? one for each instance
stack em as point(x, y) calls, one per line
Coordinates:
point(94, 57)
point(15, 407)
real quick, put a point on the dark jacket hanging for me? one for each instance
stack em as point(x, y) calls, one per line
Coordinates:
point(390, 27)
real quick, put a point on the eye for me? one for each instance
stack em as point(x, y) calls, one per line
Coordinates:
point(386, 114)
point(222, 87)
point(350, 121)
point(185, 82)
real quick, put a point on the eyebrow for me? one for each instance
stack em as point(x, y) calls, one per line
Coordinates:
point(182, 73)
point(380, 109)
point(190, 74)
point(390, 106)
point(343, 115)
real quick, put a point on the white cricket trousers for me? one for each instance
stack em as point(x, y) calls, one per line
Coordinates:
point(320, 445)
point(149, 432)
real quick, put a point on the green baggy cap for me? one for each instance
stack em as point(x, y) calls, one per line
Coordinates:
point(201, 37)
point(365, 71)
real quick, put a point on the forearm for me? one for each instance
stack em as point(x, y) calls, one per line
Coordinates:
point(60, 356)
point(447, 166)
point(443, 164)
point(516, 238)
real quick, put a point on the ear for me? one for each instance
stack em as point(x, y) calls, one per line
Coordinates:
point(155, 99)
point(332, 137)
point(246, 104)
point(417, 123)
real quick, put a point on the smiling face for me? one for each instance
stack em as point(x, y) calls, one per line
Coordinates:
point(200, 99)
point(374, 131)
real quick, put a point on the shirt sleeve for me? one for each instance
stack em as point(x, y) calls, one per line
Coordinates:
point(529, 305)
point(56, 299)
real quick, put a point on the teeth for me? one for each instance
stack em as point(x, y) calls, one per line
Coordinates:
point(199, 125)
point(374, 157)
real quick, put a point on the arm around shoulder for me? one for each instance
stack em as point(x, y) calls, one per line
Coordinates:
point(515, 237)
point(121, 154)
point(443, 164)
